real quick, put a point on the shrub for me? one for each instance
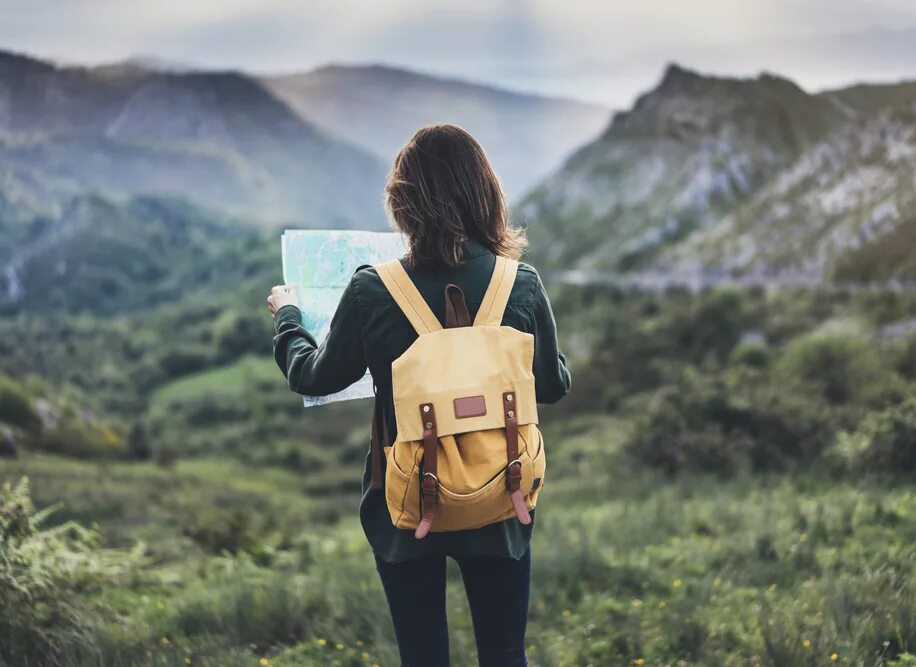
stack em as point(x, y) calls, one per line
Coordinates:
point(884, 442)
point(83, 439)
point(751, 354)
point(841, 368)
point(906, 358)
point(706, 424)
point(16, 407)
point(47, 575)
point(238, 333)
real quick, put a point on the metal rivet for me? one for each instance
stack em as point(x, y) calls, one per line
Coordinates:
point(511, 414)
point(429, 424)
point(425, 408)
point(508, 397)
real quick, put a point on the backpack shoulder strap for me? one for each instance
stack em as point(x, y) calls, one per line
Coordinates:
point(496, 297)
point(408, 298)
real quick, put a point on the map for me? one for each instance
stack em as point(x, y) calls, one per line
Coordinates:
point(320, 264)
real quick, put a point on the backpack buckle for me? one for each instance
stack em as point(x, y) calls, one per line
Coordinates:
point(434, 488)
point(512, 473)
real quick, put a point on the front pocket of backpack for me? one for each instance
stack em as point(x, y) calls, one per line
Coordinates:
point(402, 488)
point(465, 511)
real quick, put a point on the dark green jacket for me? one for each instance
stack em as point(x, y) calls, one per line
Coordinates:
point(369, 331)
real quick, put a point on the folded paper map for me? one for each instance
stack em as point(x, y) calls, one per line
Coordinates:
point(320, 264)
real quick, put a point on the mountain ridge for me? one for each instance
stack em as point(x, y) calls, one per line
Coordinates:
point(379, 107)
point(689, 154)
point(219, 138)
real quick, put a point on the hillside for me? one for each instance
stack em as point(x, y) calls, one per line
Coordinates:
point(841, 211)
point(685, 154)
point(218, 138)
point(526, 136)
point(708, 174)
point(106, 257)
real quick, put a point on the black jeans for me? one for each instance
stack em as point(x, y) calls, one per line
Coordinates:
point(497, 590)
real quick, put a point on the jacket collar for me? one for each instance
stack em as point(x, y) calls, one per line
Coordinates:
point(474, 249)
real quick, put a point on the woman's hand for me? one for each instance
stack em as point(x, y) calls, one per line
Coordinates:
point(281, 295)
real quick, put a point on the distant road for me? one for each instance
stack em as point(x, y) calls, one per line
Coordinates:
point(695, 282)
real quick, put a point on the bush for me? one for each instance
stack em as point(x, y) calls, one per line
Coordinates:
point(751, 354)
point(239, 333)
point(841, 368)
point(884, 443)
point(48, 575)
point(707, 424)
point(16, 407)
point(83, 440)
point(906, 358)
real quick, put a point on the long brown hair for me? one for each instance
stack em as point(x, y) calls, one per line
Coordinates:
point(442, 191)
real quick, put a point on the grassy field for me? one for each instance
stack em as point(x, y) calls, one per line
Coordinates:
point(730, 484)
point(237, 565)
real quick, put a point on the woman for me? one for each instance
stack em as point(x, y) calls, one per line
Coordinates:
point(444, 196)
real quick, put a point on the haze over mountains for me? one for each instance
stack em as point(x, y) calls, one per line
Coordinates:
point(215, 138)
point(703, 176)
point(742, 176)
point(378, 108)
point(134, 155)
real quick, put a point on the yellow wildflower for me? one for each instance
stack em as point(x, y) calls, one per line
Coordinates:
point(322, 642)
point(806, 643)
point(662, 604)
point(187, 661)
point(639, 661)
point(677, 583)
point(365, 656)
point(165, 641)
point(263, 661)
point(834, 657)
point(636, 602)
point(567, 612)
point(339, 646)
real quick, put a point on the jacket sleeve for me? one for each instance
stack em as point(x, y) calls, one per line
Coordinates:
point(319, 370)
point(551, 376)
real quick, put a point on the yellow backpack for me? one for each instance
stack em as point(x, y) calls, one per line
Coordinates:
point(468, 452)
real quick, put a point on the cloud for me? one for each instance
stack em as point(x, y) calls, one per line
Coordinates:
point(581, 48)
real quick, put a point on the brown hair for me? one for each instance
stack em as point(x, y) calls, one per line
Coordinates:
point(442, 191)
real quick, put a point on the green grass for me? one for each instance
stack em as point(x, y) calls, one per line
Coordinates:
point(628, 565)
point(235, 378)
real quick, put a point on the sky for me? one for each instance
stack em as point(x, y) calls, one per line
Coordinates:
point(606, 51)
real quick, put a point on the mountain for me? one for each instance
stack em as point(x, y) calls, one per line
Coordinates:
point(105, 257)
point(379, 108)
point(219, 138)
point(686, 154)
point(845, 210)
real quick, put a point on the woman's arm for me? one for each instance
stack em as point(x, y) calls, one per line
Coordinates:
point(318, 370)
point(551, 377)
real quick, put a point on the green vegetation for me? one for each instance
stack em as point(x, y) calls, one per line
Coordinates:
point(730, 485)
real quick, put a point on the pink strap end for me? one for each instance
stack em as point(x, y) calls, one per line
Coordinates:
point(518, 502)
point(423, 528)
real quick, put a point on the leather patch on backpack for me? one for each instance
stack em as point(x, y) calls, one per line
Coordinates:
point(470, 406)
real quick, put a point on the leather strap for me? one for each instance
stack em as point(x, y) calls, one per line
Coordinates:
point(377, 442)
point(514, 467)
point(429, 482)
point(456, 309)
point(497, 295)
point(408, 298)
